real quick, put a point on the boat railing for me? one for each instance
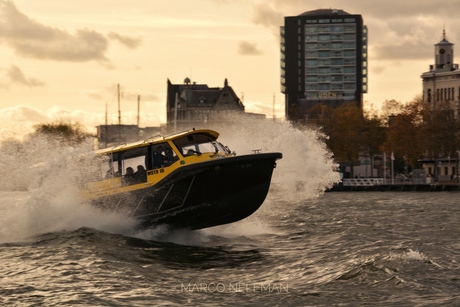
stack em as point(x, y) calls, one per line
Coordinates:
point(152, 138)
point(178, 133)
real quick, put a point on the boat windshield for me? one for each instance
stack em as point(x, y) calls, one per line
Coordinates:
point(198, 144)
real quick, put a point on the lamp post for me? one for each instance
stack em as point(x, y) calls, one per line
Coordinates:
point(392, 168)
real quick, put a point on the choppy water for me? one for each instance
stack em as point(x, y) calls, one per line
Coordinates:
point(302, 248)
point(342, 249)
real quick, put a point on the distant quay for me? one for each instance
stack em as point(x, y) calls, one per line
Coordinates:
point(396, 185)
point(397, 188)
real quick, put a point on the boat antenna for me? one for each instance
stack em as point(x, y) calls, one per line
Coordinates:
point(119, 111)
point(138, 108)
point(106, 122)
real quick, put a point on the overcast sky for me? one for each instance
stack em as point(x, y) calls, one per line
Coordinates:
point(64, 59)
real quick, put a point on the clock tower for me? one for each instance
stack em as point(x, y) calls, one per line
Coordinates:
point(441, 84)
point(444, 54)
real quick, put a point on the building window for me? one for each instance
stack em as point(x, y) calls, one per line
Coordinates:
point(337, 78)
point(349, 62)
point(336, 70)
point(336, 28)
point(350, 29)
point(349, 37)
point(336, 46)
point(349, 45)
point(336, 62)
point(337, 54)
point(350, 53)
point(429, 95)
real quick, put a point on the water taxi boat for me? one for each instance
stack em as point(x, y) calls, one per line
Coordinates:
point(186, 180)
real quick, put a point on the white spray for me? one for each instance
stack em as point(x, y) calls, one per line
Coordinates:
point(41, 194)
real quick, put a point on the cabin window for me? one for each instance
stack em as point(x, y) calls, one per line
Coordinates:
point(196, 144)
point(162, 156)
point(133, 165)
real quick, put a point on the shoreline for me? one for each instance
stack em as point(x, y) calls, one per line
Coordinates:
point(397, 188)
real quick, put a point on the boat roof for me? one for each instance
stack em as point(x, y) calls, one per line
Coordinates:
point(157, 139)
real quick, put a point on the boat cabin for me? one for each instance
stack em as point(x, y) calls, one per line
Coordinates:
point(151, 160)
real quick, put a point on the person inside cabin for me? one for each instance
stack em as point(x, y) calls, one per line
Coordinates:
point(129, 176)
point(129, 171)
point(158, 158)
point(141, 174)
point(170, 157)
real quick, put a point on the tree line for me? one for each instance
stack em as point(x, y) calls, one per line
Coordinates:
point(409, 131)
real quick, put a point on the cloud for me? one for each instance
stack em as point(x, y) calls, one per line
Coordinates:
point(247, 48)
point(129, 42)
point(16, 76)
point(31, 39)
point(267, 14)
point(20, 120)
point(397, 31)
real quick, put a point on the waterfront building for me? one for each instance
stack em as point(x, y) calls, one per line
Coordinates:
point(441, 84)
point(323, 60)
point(441, 87)
point(198, 105)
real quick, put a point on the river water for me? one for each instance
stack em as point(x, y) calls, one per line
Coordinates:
point(341, 249)
point(303, 247)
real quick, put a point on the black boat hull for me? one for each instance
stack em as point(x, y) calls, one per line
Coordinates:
point(200, 195)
